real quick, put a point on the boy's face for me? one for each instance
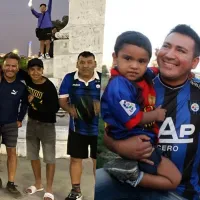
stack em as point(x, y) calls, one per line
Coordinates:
point(131, 61)
point(43, 9)
point(86, 66)
point(35, 73)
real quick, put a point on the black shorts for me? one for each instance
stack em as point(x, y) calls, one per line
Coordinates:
point(9, 134)
point(45, 34)
point(77, 145)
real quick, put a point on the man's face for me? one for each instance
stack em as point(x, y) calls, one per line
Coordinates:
point(176, 57)
point(86, 66)
point(35, 73)
point(43, 9)
point(131, 61)
point(10, 68)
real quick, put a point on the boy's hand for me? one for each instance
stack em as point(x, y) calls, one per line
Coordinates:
point(161, 113)
point(30, 98)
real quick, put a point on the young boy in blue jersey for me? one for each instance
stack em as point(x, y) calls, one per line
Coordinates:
point(128, 108)
point(44, 28)
point(80, 96)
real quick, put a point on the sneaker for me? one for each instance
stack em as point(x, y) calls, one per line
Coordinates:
point(47, 56)
point(42, 57)
point(74, 196)
point(12, 189)
point(123, 169)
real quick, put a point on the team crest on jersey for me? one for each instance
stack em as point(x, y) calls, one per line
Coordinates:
point(151, 99)
point(194, 107)
point(98, 86)
point(129, 107)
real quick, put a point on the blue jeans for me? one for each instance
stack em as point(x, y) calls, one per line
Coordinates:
point(108, 188)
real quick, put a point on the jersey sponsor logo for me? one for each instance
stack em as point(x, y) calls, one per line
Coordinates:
point(14, 92)
point(76, 85)
point(129, 107)
point(168, 129)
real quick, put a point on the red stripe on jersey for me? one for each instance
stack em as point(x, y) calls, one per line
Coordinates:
point(134, 121)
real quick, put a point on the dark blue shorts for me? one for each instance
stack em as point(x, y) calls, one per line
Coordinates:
point(156, 158)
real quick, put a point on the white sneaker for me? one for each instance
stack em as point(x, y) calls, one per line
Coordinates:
point(41, 57)
point(47, 56)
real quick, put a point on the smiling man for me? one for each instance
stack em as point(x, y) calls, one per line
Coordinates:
point(179, 134)
point(13, 107)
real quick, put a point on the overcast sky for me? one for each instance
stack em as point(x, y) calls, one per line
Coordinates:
point(18, 24)
point(153, 18)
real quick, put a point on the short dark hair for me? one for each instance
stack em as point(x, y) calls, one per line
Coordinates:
point(133, 38)
point(11, 55)
point(188, 31)
point(43, 4)
point(86, 54)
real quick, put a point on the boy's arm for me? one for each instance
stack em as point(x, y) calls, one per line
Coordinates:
point(35, 13)
point(50, 6)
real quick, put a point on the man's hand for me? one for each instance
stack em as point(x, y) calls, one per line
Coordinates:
point(136, 147)
point(96, 104)
point(19, 124)
point(30, 98)
point(72, 111)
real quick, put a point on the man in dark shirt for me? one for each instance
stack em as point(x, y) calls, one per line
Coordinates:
point(13, 107)
point(43, 100)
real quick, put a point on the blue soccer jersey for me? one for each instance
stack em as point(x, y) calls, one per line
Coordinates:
point(82, 95)
point(122, 107)
point(179, 134)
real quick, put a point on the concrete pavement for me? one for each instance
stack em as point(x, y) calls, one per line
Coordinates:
point(62, 184)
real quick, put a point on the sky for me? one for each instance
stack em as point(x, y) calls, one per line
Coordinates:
point(18, 24)
point(153, 18)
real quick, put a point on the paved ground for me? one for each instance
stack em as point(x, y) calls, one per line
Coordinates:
point(61, 185)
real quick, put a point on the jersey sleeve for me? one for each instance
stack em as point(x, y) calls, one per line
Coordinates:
point(65, 87)
point(152, 72)
point(121, 99)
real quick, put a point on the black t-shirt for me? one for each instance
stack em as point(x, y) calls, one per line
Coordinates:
point(45, 104)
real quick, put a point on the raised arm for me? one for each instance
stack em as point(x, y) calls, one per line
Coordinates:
point(50, 6)
point(35, 13)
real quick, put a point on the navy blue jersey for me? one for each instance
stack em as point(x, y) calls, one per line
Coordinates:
point(179, 134)
point(82, 95)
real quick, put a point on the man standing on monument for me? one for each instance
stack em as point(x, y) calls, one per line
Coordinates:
point(80, 96)
point(44, 28)
point(13, 106)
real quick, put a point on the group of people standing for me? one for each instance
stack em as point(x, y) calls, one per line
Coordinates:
point(40, 97)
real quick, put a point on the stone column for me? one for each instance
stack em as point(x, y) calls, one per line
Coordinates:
point(84, 32)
